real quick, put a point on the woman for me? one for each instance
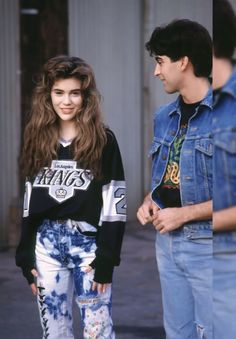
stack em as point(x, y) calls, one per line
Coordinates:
point(74, 204)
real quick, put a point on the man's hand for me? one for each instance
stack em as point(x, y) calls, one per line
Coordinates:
point(147, 210)
point(168, 219)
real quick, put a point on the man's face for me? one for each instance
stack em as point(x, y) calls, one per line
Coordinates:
point(169, 72)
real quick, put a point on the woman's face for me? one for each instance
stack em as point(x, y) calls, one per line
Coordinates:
point(66, 98)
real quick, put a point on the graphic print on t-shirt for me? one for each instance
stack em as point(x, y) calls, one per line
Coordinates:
point(62, 179)
point(171, 179)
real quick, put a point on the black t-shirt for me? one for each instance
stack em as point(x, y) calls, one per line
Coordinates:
point(169, 190)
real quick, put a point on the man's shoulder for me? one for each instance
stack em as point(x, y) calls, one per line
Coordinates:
point(165, 110)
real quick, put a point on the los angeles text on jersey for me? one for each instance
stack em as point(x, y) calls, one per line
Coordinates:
point(62, 179)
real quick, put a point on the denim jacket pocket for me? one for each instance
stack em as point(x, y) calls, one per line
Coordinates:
point(157, 165)
point(225, 157)
point(155, 146)
point(224, 169)
point(205, 146)
point(204, 152)
point(226, 141)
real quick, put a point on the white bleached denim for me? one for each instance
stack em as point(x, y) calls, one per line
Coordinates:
point(62, 253)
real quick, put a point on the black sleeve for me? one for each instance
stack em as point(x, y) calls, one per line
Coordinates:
point(113, 214)
point(25, 257)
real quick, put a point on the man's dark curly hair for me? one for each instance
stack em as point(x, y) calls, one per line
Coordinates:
point(183, 38)
point(224, 29)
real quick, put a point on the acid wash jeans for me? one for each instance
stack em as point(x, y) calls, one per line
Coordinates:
point(62, 253)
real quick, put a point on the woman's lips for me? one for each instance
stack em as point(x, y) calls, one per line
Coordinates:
point(67, 110)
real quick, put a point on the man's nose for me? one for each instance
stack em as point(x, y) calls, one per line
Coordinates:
point(157, 70)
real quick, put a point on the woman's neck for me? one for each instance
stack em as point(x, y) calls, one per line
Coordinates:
point(67, 130)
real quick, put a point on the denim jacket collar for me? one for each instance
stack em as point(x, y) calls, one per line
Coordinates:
point(207, 101)
point(230, 86)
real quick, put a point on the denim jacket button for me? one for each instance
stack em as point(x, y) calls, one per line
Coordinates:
point(173, 133)
point(164, 157)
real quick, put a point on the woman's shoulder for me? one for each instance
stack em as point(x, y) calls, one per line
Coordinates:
point(109, 132)
point(110, 135)
point(111, 143)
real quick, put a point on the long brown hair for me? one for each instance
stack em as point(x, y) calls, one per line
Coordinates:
point(41, 135)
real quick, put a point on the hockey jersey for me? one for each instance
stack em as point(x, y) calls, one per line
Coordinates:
point(64, 191)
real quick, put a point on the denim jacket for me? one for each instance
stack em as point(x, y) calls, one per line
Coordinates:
point(224, 160)
point(196, 153)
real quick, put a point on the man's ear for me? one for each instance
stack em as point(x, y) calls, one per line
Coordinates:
point(184, 63)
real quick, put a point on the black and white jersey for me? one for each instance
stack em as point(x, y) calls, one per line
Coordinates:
point(64, 190)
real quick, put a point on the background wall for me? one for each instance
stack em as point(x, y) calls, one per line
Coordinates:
point(9, 111)
point(108, 35)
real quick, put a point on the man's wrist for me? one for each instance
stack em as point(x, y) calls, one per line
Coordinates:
point(148, 198)
point(187, 213)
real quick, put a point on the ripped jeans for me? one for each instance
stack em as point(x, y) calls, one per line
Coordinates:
point(62, 253)
point(184, 259)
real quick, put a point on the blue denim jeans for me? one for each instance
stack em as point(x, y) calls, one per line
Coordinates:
point(184, 259)
point(62, 253)
point(224, 285)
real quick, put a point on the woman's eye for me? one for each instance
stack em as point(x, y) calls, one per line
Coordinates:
point(76, 93)
point(58, 93)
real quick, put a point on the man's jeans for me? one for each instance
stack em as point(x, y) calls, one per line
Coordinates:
point(224, 285)
point(62, 253)
point(184, 260)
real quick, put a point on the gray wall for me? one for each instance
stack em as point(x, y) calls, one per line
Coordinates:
point(233, 3)
point(107, 34)
point(9, 110)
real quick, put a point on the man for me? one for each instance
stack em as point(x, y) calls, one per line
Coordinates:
point(224, 122)
point(179, 205)
point(224, 171)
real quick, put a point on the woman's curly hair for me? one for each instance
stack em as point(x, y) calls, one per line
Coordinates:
point(41, 135)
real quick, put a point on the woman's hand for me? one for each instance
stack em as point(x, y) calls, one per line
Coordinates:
point(101, 288)
point(33, 285)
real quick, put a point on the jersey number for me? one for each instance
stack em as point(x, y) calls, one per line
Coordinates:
point(121, 204)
